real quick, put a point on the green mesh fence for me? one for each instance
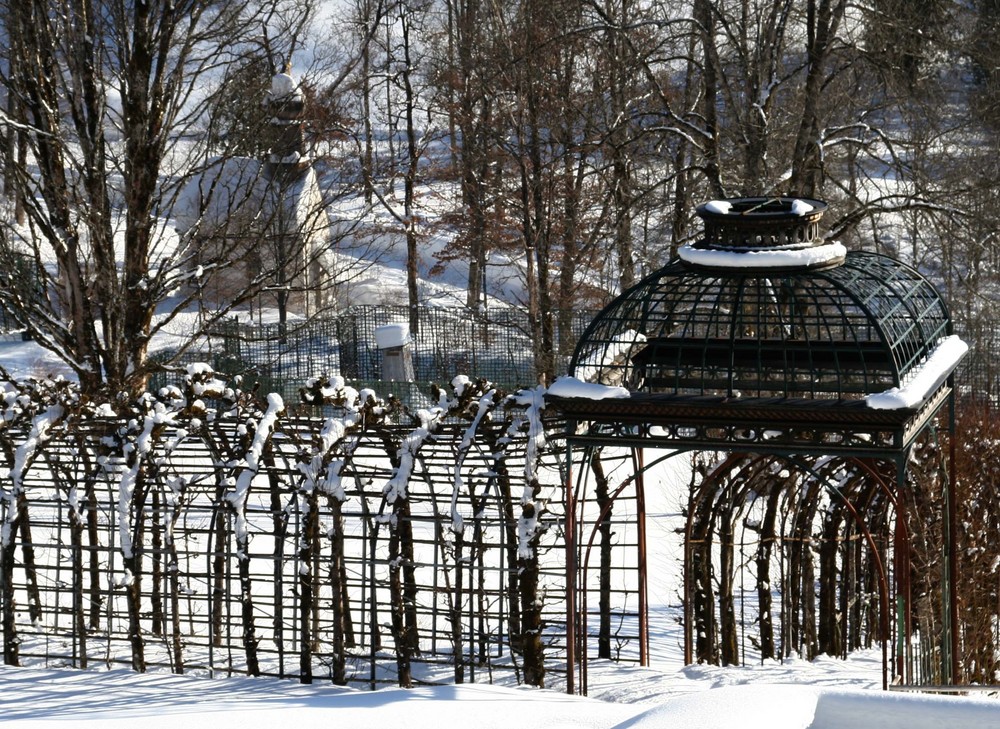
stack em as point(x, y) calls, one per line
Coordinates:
point(497, 345)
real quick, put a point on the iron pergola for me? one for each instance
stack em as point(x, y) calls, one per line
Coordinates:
point(762, 338)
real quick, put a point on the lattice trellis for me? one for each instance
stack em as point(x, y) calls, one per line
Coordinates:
point(206, 531)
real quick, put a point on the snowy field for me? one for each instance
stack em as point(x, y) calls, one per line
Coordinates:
point(805, 696)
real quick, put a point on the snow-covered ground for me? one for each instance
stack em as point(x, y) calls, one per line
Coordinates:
point(802, 696)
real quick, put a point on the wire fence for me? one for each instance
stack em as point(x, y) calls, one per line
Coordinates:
point(497, 345)
point(978, 375)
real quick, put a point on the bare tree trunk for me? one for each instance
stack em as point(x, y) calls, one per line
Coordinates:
point(28, 558)
point(156, 573)
point(132, 563)
point(472, 121)
point(828, 632)
point(307, 583)
point(11, 640)
point(455, 616)
point(409, 181)
point(532, 647)
point(218, 571)
point(823, 19)
point(250, 639)
point(367, 156)
point(728, 633)
point(279, 532)
point(705, 624)
point(343, 633)
point(620, 75)
point(94, 566)
point(603, 499)
point(765, 549)
point(402, 587)
point(705, 17)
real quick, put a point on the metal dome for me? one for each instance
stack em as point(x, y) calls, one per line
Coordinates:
point(839, 333)
point(765, 321)
point(763, 307)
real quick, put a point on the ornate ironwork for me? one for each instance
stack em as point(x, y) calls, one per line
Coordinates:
point(751, 347)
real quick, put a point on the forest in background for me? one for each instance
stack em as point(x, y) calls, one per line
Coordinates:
point(575, 138)
point(572, 137)
point(581, 135)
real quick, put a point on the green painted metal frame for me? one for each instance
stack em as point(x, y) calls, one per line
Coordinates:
point(838, 333)
point(771, 362)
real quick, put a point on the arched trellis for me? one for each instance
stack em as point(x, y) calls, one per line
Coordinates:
point(205, 530)
point(860, 504)
point(765, 339)
point(727, 493)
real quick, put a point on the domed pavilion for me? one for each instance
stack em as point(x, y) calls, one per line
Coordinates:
point(782, 352)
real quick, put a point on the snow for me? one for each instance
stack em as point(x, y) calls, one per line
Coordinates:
point(282, 85)
point(572, 387)
point(599, 363)
point(721, 207)
point(770, 258)
point(388, 336)
point(36, 698)
point(251, 465)
point(803, 707)
point(801, 207)
point(924, 379)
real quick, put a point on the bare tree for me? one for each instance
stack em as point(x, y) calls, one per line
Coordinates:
point(108, 108)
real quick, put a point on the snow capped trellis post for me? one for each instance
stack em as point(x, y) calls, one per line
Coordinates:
point(402, 582)
point(530, 527)
point(133, 463)
point(473, 401)
point(255, 438)
point(322, 463)
point(42, 407)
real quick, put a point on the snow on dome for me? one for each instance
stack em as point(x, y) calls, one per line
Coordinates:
point(773, 258)
point(282, 84)
point(613, 356)
point(801, 207)
point(571, 387)
point(923, 380)
point(722, 207)
point(392, 335)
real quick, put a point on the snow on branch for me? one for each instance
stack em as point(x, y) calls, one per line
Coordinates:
point(251, 463)
point(319, 465)
point(480, 397)
point(529, 526)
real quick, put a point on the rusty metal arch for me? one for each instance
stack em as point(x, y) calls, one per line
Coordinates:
point(742, 462)
point(640, 467)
